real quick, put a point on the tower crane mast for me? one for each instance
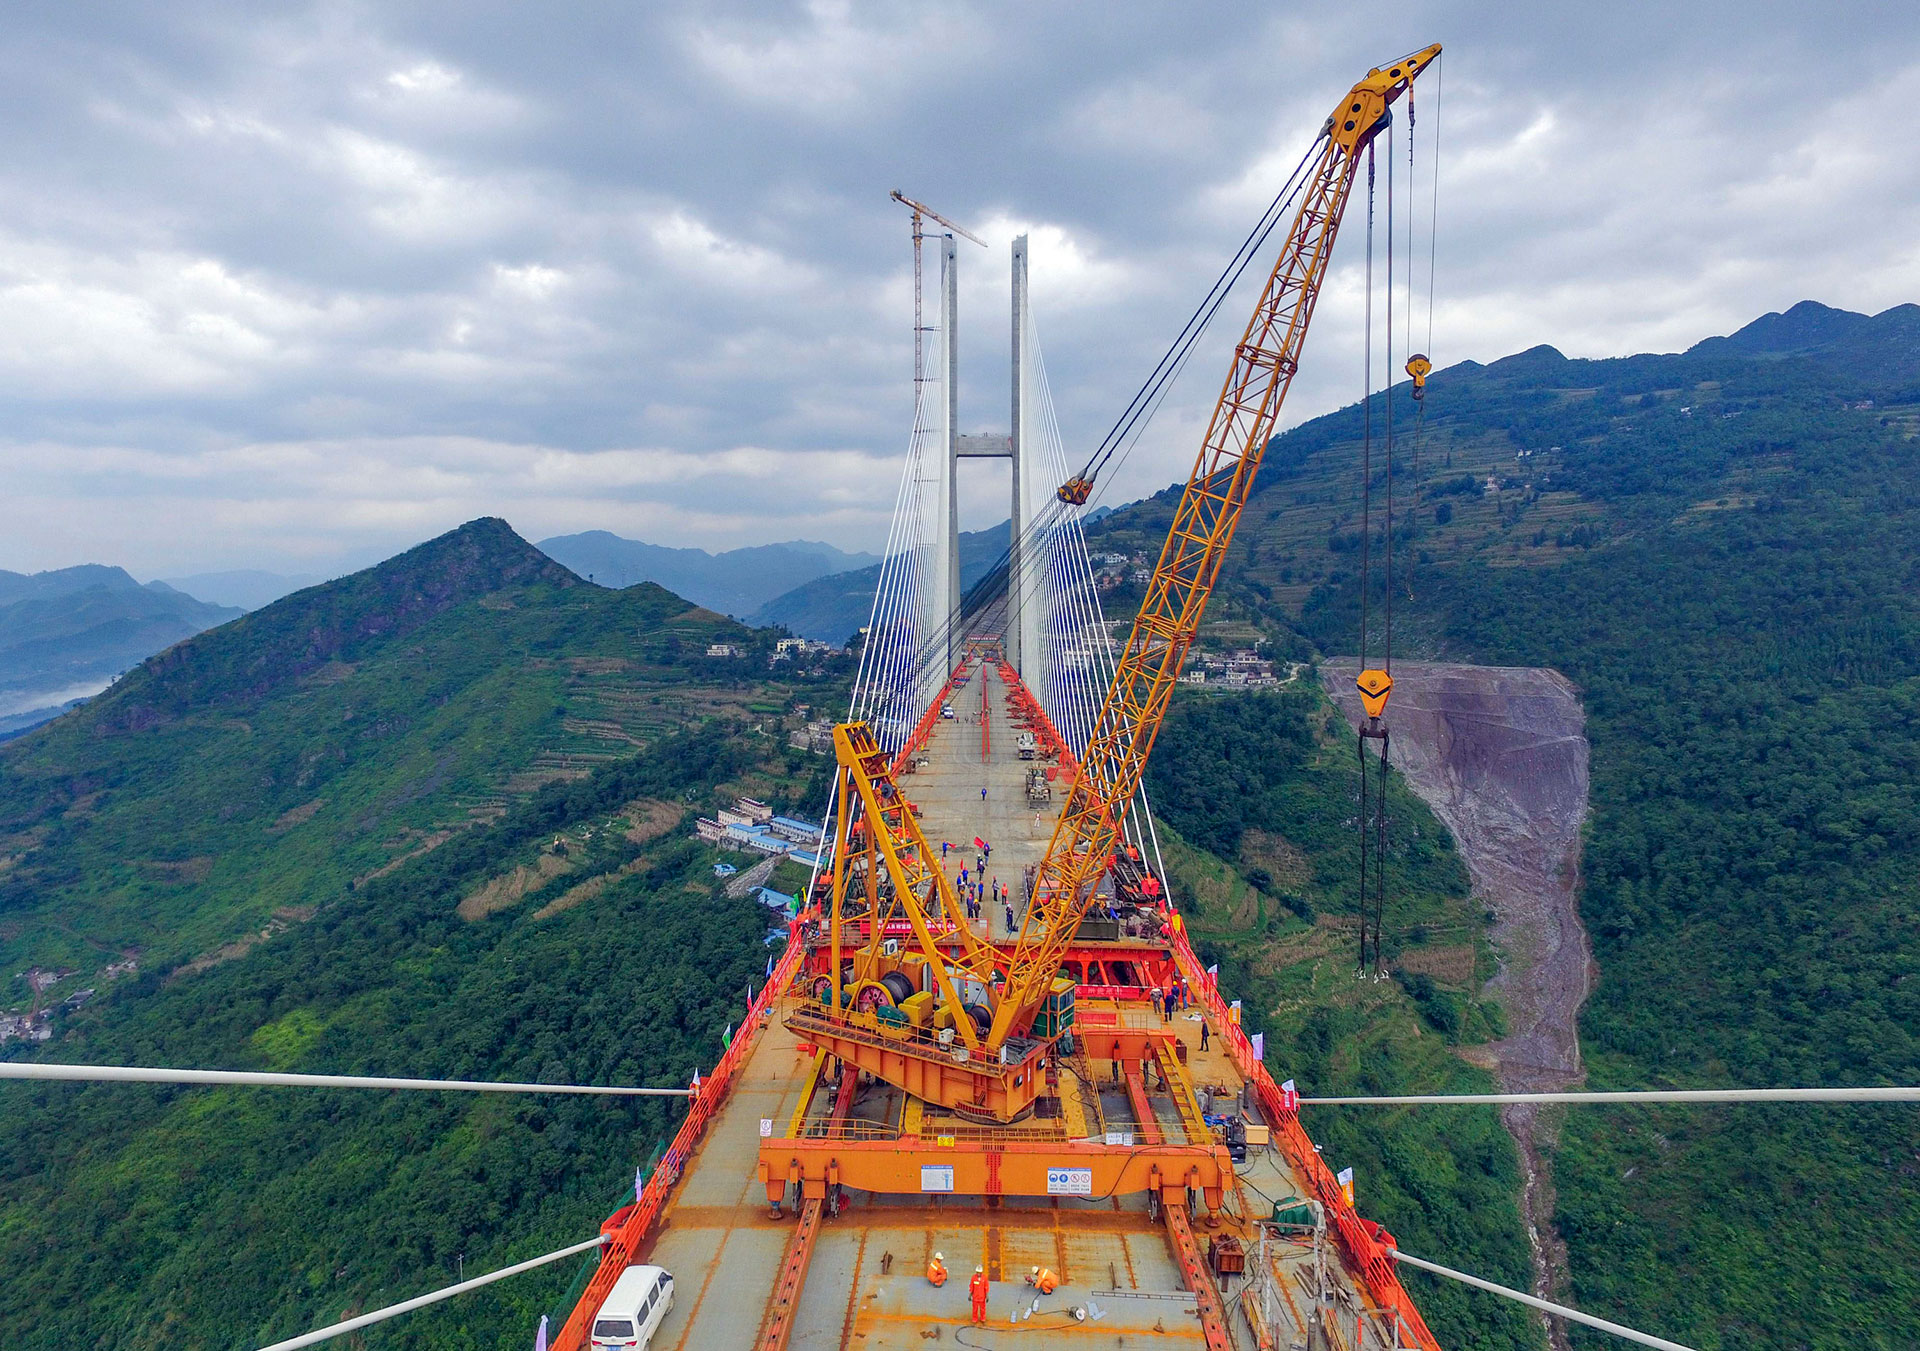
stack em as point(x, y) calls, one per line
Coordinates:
point(920, 210)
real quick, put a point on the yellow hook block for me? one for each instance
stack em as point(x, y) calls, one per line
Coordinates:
point(1419, 368)
point(1374, 687)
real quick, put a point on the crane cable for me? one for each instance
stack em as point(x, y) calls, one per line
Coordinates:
point(1127, 428)
point(1373, 782)
point(1419, 363)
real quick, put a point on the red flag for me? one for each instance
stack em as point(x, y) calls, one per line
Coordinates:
point(979, 843)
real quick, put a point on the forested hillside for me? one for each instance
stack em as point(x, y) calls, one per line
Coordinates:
point(234, 782)
point(1722, 549)
point(1255, 794)
point(428, 820)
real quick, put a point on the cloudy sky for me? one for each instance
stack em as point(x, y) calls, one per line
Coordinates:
point(294, 286)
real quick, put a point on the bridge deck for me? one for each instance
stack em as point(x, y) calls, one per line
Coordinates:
point(962, 762)
point(866, 1286)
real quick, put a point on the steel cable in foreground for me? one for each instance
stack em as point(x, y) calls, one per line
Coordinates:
point(1545, 1306)
point(422, 1301)
point(139, 1074)
point(1723, 1095)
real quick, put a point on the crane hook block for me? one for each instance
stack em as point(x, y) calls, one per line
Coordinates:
point(1075, 491)
point(1374, 685)
point(1418, 367)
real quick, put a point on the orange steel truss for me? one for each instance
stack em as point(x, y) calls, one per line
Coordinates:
point(1243, 421)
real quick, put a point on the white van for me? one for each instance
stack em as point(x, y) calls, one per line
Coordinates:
point(634, 1310)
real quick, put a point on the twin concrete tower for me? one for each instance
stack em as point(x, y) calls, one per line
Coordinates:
point(1025, 624)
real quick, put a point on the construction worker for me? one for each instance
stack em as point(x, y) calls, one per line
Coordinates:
point(1043, 1280)
point(977, 1287)
point(937, 1270)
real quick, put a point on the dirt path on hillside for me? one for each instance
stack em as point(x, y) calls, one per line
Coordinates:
point(1500, 754)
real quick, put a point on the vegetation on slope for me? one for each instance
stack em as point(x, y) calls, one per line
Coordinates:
point(235, 782)
point(1256, 796)
point(442, 806)
point(1719, 547)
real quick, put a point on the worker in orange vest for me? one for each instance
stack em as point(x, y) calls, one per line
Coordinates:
point(937, 1270)
point(977, 1287)
point(1043, 1280)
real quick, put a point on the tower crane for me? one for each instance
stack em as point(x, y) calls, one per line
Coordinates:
point(920, 210)
point(993, 1013)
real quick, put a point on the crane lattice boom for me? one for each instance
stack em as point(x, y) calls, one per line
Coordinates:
point(1243, 421)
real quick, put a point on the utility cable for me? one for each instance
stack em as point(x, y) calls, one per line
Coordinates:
point(327, 1334)
point(1544, 1305)
point(140, 1074)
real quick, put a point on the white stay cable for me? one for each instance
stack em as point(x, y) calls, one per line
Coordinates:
point(327, 1334)
point(1728, 1095)
point(1546, 1306)
point(140, 1074)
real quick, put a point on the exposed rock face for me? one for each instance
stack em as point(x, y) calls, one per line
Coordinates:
point(1500, 754)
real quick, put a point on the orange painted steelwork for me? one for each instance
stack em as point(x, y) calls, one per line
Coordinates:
point(892, 1166)
point(1360, 1240)
point(1213, 1315)
point(785, 1301)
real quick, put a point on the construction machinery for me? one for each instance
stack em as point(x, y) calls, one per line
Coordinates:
point(969, 1044)
point(913, 1060)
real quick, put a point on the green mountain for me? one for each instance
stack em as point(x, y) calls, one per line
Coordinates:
point(832, 607)
point(735, 582)
point(65, 634)
point(1721, 547)
point(434, 819)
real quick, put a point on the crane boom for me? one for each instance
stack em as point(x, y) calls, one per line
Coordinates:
point(921, 209)
point(1243, 420)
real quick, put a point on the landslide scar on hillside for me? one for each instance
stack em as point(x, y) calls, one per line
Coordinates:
point(1500, 754)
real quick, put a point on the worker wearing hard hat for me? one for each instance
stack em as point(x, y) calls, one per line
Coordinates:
point(977, 1287)
point(1043, 1280)
point(937, 1270)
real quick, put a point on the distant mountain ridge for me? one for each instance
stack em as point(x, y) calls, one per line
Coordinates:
point(736, 582)
point(296, 636)
point(1884, 345)
point(833, 607)
point(64, 634)
point(247, 588)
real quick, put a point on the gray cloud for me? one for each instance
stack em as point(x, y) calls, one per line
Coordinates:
point(293, 288)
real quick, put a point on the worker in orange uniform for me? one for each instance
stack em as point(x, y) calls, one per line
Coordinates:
point(977, 1287)
point(937, 1270)
point(1043, 1280)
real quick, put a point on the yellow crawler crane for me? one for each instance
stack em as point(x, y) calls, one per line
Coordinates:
point(988, 1071)
point(1243, 421)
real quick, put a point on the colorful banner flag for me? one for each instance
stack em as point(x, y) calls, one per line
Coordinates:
point(1233, 1012)
point(1213, 972)
point(1259, 1046)
point(1290, 1096)
point(1345, 1178)
point(540, 1337)
point(639, 1186)
point(726, 1038)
